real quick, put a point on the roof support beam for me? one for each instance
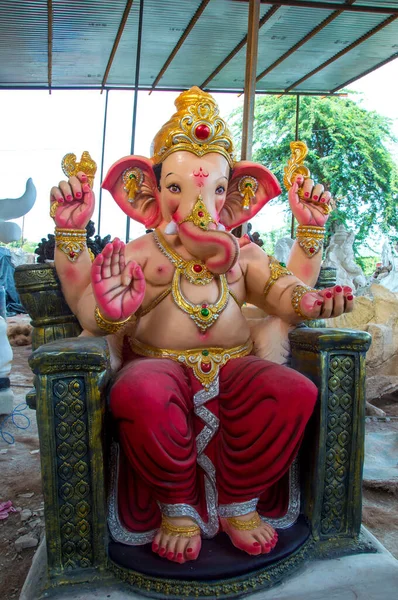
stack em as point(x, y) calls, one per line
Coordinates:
point(384, 62)
point(180, 42)
point(238, 47)
point(374, 9)
point(116, 42)
point(250, 79)
point(50, 43)
point(359, 41)
point(301, 42)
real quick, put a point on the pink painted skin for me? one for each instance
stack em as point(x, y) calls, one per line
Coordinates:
point(219, 250)
point(75, 201)
point(119, 288)
point(260, 540)
point(308, 213)
point(336, 300)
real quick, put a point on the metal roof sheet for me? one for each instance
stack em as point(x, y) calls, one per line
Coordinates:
point(304, 45)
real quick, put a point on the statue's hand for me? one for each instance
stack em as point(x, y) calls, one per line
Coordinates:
point(309, 210)
point(327, 303)
point(119, 288)
point(72, 202)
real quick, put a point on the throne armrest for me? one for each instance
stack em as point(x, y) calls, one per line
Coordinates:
point(71, 376)
point(333, 449)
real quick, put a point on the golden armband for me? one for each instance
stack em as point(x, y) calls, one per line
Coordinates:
point(111, 326)
point(71, 242)
point(310, 238)
point(298, 293)
point(277, 271)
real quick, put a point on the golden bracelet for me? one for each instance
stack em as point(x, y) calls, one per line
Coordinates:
point(310, 238)
point(71, 242)
point(248, 525)
point(298, 293)
point(186, 531)
point(111, 326)
point(277, 271)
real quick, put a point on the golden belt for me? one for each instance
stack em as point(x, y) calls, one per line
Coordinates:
point(205, 362)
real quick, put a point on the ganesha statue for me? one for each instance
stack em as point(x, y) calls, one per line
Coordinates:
point(207, 431)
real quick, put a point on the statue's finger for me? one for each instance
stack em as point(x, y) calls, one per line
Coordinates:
point(325, 198)
point(66, 190)
point(307, 188)
point(96, 269)
point(82, 177)
point(338, 306)
point(348, 301)
point(56, 195)
point(317, 192)
point(76, 188)
point(139, 280)
point(327, 307)
point(115, 265)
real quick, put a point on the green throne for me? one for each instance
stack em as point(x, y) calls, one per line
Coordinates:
point(72, 378)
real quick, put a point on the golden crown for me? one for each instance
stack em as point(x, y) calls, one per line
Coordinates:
point(196, 127)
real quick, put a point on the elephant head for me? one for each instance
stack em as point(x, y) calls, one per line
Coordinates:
point(192, 186)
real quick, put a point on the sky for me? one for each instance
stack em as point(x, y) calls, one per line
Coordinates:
point(37, 129)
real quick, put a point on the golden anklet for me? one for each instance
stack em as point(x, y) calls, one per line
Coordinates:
point(298, 293)
point(310, 238)
point(111, 326)
point(248, 525)
point(71, 242)
point(187, 531)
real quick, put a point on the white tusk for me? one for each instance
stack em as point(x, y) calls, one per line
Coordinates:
point(220, 227)
point(171, 228)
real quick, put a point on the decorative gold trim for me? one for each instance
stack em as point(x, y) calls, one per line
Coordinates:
point(205, 362)
point(196, 127)
point(71, 242)
point(247, 525)
point(111, 326)
point(199, 216)
point(295, 165)
point(87, 165)
point(310, 239)
point(187, 267)
point(247, 187)
point(277, 271)
point(187, 531)
point(298, 293)
point(204, 315)
point(132, 179)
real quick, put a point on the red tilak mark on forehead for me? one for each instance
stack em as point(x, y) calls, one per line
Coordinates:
point(200, 173)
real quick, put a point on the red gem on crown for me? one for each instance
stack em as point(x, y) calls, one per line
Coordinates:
point(206, 367)
point(202, 131)
point(312, 250)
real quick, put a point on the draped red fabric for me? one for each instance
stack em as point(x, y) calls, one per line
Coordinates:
point(263, 409)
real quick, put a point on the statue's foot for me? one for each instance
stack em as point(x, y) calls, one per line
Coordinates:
point(178, 539)
point(250, 534)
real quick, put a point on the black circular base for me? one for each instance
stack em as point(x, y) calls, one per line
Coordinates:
point(220, 566)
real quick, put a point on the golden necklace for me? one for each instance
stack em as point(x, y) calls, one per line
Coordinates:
point(194, 270)
point(204, 315)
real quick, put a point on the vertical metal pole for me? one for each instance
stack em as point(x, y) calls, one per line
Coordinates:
point(137, 80)
point(102, 163)
point(250, 79)
point(296, 138)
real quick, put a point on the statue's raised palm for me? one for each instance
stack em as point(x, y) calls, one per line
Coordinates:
point(119, 288)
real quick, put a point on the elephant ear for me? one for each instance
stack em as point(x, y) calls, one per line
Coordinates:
point(143, 205)
point(233, 214)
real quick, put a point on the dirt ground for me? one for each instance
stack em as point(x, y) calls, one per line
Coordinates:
point(20, 474)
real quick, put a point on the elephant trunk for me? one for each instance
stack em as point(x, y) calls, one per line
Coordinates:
point(219, 250)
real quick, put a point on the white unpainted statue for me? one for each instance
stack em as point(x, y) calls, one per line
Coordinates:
point(340, 255)
point(6, 394)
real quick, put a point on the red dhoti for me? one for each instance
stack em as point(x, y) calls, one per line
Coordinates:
point(261, 412)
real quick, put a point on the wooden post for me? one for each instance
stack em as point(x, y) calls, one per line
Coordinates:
point(250, 79)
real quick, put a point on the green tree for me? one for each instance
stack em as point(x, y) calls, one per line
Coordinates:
point(349, 152)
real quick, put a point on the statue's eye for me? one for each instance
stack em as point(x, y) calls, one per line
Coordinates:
point(174, 188)
point(220, 190)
